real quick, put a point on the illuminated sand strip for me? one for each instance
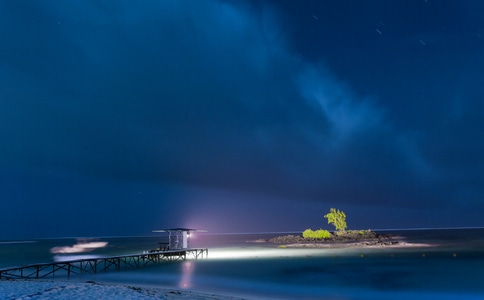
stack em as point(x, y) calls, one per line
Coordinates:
point(301, 250)
point(253, 253)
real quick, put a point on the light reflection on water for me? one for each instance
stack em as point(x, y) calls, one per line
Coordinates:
point(454, 269)
point(188, 269)
point(307, 274)
point(65, 258)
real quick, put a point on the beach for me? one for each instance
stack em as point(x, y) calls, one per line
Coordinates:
point(71, 289)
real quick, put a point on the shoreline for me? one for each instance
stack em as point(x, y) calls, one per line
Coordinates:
point(100, 288)
point(72, 289)
point(364, 245)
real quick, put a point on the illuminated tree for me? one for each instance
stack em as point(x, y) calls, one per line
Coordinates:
point(337, 218)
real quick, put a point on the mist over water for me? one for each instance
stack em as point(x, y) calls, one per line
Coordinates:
point(452, 268)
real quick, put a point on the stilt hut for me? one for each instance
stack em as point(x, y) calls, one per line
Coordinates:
point(178, 238)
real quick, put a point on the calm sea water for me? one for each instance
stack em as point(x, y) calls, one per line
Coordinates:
point(453, 268)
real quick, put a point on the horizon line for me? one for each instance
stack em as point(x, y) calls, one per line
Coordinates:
point(379, 229)
point(235, 233)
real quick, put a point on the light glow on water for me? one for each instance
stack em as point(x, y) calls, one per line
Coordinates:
point(188, 269)
point(252, 253)
point(62, 258)
point(435, 264)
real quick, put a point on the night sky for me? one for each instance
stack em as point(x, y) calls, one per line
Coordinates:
point(120, 117)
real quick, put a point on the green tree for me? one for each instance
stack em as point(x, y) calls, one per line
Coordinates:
point(337, 218)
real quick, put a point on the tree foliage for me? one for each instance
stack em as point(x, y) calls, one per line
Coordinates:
point(337, 218)
point(317, 234)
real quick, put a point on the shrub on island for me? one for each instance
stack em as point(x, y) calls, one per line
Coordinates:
point(316, 234)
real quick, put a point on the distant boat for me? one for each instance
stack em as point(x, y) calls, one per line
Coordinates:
point(79, 247)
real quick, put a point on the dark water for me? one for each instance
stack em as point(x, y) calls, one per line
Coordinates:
point(452, 268)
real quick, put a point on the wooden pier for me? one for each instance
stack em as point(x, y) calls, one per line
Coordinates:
point(96, 265)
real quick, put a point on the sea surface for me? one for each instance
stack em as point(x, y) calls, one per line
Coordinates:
point(448, 264)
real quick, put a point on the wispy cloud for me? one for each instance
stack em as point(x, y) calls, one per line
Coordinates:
point(212, 94)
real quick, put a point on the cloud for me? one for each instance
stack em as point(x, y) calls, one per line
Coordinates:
point(191, 93)
point(209, 94)
point(347, 114)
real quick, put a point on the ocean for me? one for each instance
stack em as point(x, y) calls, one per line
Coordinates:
point(449, 264)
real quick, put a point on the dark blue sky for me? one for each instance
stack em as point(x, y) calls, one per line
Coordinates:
point(119, 117)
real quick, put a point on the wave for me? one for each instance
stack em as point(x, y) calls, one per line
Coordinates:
point(17, 242)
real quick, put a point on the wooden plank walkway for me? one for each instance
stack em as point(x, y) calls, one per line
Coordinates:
point(101, 264)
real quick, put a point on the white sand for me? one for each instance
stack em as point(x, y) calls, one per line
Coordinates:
point(41, 289)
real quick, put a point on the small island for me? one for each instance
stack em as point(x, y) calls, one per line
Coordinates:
point(339, 238)
point(349, 238)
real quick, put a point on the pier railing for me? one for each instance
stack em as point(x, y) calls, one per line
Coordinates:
point(101, 264)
